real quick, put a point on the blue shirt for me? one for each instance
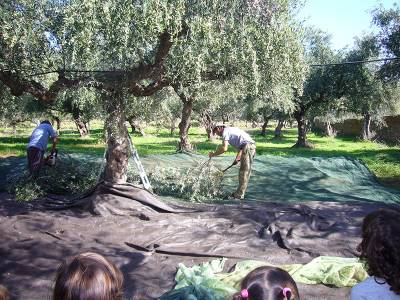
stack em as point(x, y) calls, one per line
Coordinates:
point(40, 136)
point(371, 289)
point(236, 137)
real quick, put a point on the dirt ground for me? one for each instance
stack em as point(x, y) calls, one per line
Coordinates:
point(33, 241)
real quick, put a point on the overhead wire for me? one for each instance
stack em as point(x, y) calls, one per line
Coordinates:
point(395, 59)
point(356, 62)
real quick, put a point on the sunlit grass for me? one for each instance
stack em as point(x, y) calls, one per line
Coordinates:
point(382, 160)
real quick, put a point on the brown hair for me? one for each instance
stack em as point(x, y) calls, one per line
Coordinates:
point(4, 293)
point(88, 276)
point(380, 246)
point(267, 283)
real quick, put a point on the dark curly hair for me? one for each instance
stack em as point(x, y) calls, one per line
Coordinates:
point(267, 283)
point(380, 246)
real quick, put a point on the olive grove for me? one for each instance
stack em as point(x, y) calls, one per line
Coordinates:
point(122, 49)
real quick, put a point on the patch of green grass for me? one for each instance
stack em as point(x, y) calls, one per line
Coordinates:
point(381, 159)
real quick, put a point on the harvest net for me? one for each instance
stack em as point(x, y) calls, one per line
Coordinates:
point(195, 178)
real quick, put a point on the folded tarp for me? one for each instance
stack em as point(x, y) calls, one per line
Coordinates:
point(207, 281)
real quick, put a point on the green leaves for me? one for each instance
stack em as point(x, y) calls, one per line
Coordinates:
point(389, 22)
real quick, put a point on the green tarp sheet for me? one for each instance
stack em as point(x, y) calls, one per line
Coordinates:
point(208, 282)
point(274, 178)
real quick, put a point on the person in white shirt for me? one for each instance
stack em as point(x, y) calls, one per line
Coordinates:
point(38, 144)
point(246, 150)
point(380, 251)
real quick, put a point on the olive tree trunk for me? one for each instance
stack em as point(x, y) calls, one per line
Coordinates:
point(366, 133)
point(278, 128)
point(57, 121)
point(184, 125)
point(208, 124)
point(300, 116)
point(173, 125)
point(118, 147)
point(81, 126)
point(329, 130)
point(136, 126)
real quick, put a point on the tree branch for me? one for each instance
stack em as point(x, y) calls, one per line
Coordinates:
point(103, 80)
point(141, 90)
point(19, 86)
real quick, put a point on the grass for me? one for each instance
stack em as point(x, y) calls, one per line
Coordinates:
point(382, 160)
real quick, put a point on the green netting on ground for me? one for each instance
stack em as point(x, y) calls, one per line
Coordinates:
point(280, 179)
point(292, 179)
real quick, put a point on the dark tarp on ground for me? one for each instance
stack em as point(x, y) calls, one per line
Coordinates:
point(32, 241)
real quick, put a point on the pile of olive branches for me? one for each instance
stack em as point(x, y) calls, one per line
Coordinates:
point(70, 176)
point(200, 183)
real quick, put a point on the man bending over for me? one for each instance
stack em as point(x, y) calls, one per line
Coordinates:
point(38, 144)
point(246, 150)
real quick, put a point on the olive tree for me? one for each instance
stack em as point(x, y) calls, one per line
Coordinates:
point(323, 83)
point(389, 22)
point(265, 54)
point(365, 92)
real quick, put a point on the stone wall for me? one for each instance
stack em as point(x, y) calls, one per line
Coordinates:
point(388, 132)
point(349, 127)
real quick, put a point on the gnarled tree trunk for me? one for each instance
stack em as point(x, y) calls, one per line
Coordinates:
point(265, 124)
point(118, 147)
point(136, 126)
point(208, 124)
point(300, 116)
point(184, 125)
point(264, 128)
point(58, 123)
point(329, 130)
point(81, 126)
point(278, 128)
point(366, 133)
point(173, 125)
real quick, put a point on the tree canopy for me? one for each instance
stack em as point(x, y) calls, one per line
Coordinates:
point(389, 22)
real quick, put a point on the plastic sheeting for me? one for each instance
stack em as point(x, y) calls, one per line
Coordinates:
point(274, 178)
point(207, 281)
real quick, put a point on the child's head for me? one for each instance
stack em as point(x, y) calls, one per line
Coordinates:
point(88, 276)
point(380, 246)
point(268, 283)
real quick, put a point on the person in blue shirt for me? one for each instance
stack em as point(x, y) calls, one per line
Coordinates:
point(38, 145)
point(246, 150)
